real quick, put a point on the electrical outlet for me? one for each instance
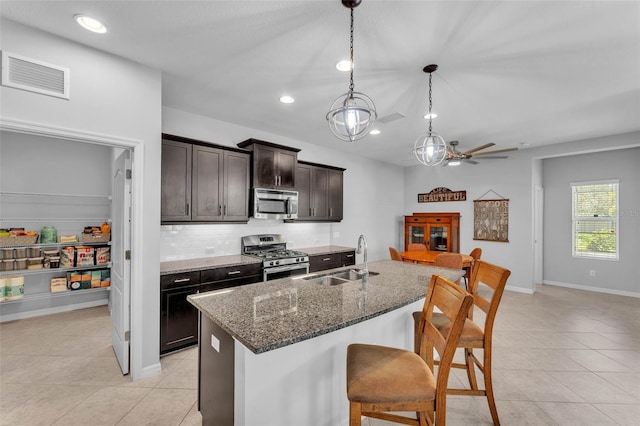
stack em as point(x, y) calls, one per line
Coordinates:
point(209, 250)
point(592, 272)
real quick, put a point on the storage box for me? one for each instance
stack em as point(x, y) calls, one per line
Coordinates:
point(105, 278)
point(68, 257)
point(74, 280)
point(14, 288)
point(35, 262)
point(95, 238)
point(21, 263)
point(96, 279)
point(85, 256)
point(20, 240)
point(103, 255)
point(58, 284)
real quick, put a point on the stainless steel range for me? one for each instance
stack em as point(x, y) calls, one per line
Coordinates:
point(277, 260)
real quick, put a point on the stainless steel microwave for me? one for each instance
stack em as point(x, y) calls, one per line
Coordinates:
point(275, 204)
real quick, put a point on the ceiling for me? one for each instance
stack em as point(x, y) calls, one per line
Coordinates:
point(516, 73)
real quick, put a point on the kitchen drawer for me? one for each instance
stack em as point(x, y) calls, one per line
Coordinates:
point(325, 261)
point(234, 282)
point(438, 220)
point(231, 272)
point(413, 219)
point(348, 258)
point(179, 279)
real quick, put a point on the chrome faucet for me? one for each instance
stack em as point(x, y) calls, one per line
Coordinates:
point(362, 239)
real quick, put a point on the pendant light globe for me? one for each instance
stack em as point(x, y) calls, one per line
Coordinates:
point(353, 114)
point(430, 149)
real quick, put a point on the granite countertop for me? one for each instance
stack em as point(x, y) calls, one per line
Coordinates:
point(272, 314)
point(188, 265)
point(198, 264)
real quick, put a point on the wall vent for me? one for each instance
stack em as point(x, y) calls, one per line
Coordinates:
point(35, 76)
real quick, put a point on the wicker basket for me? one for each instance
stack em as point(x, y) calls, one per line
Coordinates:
point(95, 238)
point(19, 240)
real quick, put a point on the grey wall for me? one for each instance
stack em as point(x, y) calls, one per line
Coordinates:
point(118, 98)
point(559, 265)
point(373, 194)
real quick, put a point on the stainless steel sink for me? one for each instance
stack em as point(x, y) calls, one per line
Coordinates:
point(339, 277)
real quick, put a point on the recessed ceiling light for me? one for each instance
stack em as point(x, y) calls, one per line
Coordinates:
point(90, 24)
point(430, 116)
point(286, 99)
point(374, 132)
point(344, 65)
point(454, 163)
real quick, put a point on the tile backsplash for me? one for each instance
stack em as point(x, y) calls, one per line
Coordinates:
point(178, 242)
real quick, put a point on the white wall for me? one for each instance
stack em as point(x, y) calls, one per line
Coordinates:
point(118, 98)
point(513, 178)
point(373, 200)
point(560, 266)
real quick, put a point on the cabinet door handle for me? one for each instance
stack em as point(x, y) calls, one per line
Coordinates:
point(224, 210)
point(330, 211)
point(350, 255)
point(326, 259)
point(219, 210)
point(233, 272)
point(188, 209)
point(182, 280)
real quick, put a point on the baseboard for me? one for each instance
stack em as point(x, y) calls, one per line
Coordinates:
point(149, 371)
point(595, 289)
point(520, 289)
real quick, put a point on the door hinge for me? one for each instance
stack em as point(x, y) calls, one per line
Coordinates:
point(128, 174)
point(127, 255)
point(126, 336)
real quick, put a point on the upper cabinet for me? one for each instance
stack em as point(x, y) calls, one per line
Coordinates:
point(319, 192)
point(437, 231)
point(274, 166)
point(203, 182)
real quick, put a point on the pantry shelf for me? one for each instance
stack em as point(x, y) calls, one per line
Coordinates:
point(60, 294)
point(53, 270)
point(53, 195)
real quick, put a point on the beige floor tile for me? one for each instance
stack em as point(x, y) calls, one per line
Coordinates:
point(14, 395)
point(540, 386)
point(522, 413)
point(624, 415)
point(558, 340)
point(183, 376)
point(161, 407)
point(575, 414)
point(593, 388)
point(551, 360)
point(628, 382)
point(193, 418)
point(594, 361)
point(630, 359)
point(48, 406)
point(597, 341)
point(107, 406)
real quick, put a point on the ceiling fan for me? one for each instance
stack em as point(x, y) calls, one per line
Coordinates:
point(454, 157)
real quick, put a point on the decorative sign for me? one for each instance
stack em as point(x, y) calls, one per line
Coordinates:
point(442, 194)
point(491, 220)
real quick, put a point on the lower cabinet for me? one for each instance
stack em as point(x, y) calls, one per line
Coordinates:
point(178, 317)
point(322, 262)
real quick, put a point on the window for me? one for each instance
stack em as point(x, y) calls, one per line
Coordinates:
point(595, 219)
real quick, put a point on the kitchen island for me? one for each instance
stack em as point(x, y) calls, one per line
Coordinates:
point(274, 353)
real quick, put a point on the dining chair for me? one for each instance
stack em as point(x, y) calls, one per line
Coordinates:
point(416, 247)
point(475, 253)
point(449, 260)
point(486, 286)
point(394, 254)
point(382, 380)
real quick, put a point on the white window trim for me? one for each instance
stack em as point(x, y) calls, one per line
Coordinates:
point(616, 219)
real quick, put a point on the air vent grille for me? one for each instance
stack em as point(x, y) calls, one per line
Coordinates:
point(35, 76)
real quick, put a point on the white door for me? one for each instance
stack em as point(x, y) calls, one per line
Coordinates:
point(120, 265)
point(538, 227)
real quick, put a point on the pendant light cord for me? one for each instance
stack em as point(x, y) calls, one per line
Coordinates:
point(351, 56)
point(430, 117)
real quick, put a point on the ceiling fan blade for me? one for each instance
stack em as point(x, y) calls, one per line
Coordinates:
point(483, 157)
point(466, 160)
point(478, 148)
point(495, 152)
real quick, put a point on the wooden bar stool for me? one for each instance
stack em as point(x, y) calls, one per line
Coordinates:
point(394, 254)
point(493, 279)
point(381, 379)
point(416, 247)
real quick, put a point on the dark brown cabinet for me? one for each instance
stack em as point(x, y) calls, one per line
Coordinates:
point(438, 231)
point(203, 182)
point(230, 276)
point(273, 166)
point(178, 317)
point(319, 192)
point(322, 262)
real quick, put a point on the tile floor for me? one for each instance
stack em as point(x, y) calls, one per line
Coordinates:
point(562, 357)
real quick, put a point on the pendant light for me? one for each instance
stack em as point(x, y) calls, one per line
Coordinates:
point(353, 114)
point(430, 148)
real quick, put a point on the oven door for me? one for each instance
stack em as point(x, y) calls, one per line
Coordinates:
point(285, 271)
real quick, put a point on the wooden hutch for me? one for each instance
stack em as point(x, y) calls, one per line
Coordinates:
point(438, 231)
